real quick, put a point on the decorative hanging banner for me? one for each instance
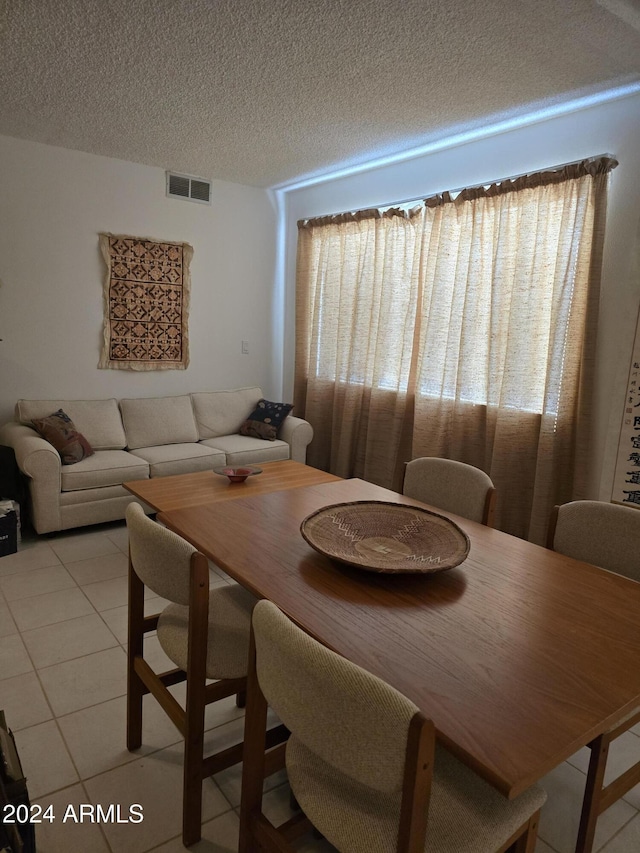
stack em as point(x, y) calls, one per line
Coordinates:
point(626, 480)
point(146, 303)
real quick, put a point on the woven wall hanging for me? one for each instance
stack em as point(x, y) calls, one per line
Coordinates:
point(146, 303)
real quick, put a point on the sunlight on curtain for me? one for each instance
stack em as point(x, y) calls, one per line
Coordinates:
point(464, 328)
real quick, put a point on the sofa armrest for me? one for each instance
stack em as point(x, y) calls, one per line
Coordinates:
point(40, 462)
point(298, 434)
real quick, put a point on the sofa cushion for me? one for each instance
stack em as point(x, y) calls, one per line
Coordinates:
point(223, 412)
point(60, 431)
point(99, 421)
point(167, 459)
point(265, 420)
point(243, 450)
point(104, 468)
point(149, 422)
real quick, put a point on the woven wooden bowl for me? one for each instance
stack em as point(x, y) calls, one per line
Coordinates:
point(386, 537)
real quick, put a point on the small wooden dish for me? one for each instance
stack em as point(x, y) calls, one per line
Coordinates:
point(239, 474)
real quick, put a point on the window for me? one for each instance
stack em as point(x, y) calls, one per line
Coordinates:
point(478, 301)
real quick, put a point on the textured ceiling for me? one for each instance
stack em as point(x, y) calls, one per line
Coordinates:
point(264, 92)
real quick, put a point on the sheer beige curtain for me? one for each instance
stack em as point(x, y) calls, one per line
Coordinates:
point(464, 328)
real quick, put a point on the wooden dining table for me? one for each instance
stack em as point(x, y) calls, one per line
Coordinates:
point(519, 655)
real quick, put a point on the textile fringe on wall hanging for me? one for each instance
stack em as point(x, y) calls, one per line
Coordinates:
point(146, 303)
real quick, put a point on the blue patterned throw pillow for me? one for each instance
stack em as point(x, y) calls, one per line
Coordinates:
point(265, 420)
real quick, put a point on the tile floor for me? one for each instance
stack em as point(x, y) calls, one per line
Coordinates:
point(62, 686)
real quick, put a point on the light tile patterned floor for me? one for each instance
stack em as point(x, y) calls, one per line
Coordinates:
point(62, 686)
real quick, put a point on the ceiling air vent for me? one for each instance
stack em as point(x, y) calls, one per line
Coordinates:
point(189, 188)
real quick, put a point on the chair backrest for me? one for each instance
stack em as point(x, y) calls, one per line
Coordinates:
point(604, 534)
point(160, 558)
point(349, 718)
point(451, 486)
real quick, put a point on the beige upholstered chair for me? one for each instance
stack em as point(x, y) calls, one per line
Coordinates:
point(204, 632)
point(606, 535)
point(360, 760)
point(451, 486)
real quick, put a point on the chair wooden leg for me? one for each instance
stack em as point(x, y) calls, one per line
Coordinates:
point(192, 775)
point(593, 791)
point(196, 701)
point(241, 699)
point(253, 769)
point(135, 638)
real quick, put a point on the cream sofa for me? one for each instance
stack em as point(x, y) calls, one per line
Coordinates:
point(133, 440)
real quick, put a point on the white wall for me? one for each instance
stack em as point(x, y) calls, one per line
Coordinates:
point(613, 128)
point(53, 204)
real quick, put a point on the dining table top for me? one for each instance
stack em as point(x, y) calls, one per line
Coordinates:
point(198, 487)
point(519, 655)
